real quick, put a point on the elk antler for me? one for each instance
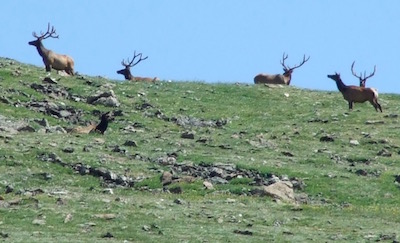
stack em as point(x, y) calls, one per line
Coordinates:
point(287, 68)
point(283, 61)
point(129, 63)
point(302, 62)
point(365, 74)
point(49, 33)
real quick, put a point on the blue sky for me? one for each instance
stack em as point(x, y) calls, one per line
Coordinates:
point(214, 41)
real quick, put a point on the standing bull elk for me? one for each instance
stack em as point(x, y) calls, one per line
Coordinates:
point(362, 79)
point(50, 58)
point(127, 70)
point(284, 78)
point(354, 94)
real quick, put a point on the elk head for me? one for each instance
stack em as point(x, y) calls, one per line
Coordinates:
point(128, 64)
point(288, 70)
point(362, 79)
point(49, 33)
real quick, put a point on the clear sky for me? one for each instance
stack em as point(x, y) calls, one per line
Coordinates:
point(214, 40)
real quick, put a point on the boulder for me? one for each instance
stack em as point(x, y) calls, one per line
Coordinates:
point(281, 190)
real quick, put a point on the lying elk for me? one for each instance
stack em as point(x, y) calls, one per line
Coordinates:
point(284, 78)
point(100, 127)
point(50, 58)
point(356, 94)
point(363, 80)
point(127, 70)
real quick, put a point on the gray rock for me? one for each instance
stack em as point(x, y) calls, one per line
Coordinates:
point(282, 190)
point(130, 143)
point(187, 135)
point(9, 189)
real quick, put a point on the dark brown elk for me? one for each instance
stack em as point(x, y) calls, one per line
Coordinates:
point(284, 78)
point(356, 94)
point(50, 58)
point(127, 70)
point(362, 79)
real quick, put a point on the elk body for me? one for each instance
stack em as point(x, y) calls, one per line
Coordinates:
point(284, 78)
point(362, 79)
point(127, 70)
point(50, 58)
point(356, 94)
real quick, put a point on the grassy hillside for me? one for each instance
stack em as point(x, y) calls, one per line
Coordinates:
point(68, 187)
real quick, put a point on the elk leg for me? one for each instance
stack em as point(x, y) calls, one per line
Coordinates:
point(379, 106)
point(350, 105)
point(48, 68)
point(70, 72)
point(376, 105)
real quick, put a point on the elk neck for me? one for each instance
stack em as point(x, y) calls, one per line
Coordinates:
point(287, 76)
point(102, 126)
point(339, 83)
point(41, 49)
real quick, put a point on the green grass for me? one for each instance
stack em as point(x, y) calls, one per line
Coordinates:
point(271, 130)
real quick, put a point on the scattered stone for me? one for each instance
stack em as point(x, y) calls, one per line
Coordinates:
point(68, 150)
point(243, 232)
point(361, 172)
point(26, 129)
point(49, 80)
point(166, 178)
point(5, 100)
point(43, 122)
point(230, 200)
point(108, 191)
point(179, 201)
point(107, 98)
point(208, 185)
point(56, 110)
point(146, 228)
point(39, 222)
point(392, 116)
point(56, 129)
point(9, 189)
point(51, 90)
point(67, 218)
point(61, 201)
point(130, 143)
point(318, 120)
point(282, 190)
point(107, 235)
point(386, 237)
point(354, 142)
point(186, 121)
point(106, 216)
point(374, 122)
point(218, 180)
point(187, 135)
point(385, 153)
point(288, 154)
point(4, 235)
point(118, 149)
point(44, 176)
point(327, 138)
point(397, 178)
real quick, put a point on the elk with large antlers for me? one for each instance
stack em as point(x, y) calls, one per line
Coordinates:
point(362, 79)
point(284, 78)
point(127, 70)
point(50, 58)
point(355, 94)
